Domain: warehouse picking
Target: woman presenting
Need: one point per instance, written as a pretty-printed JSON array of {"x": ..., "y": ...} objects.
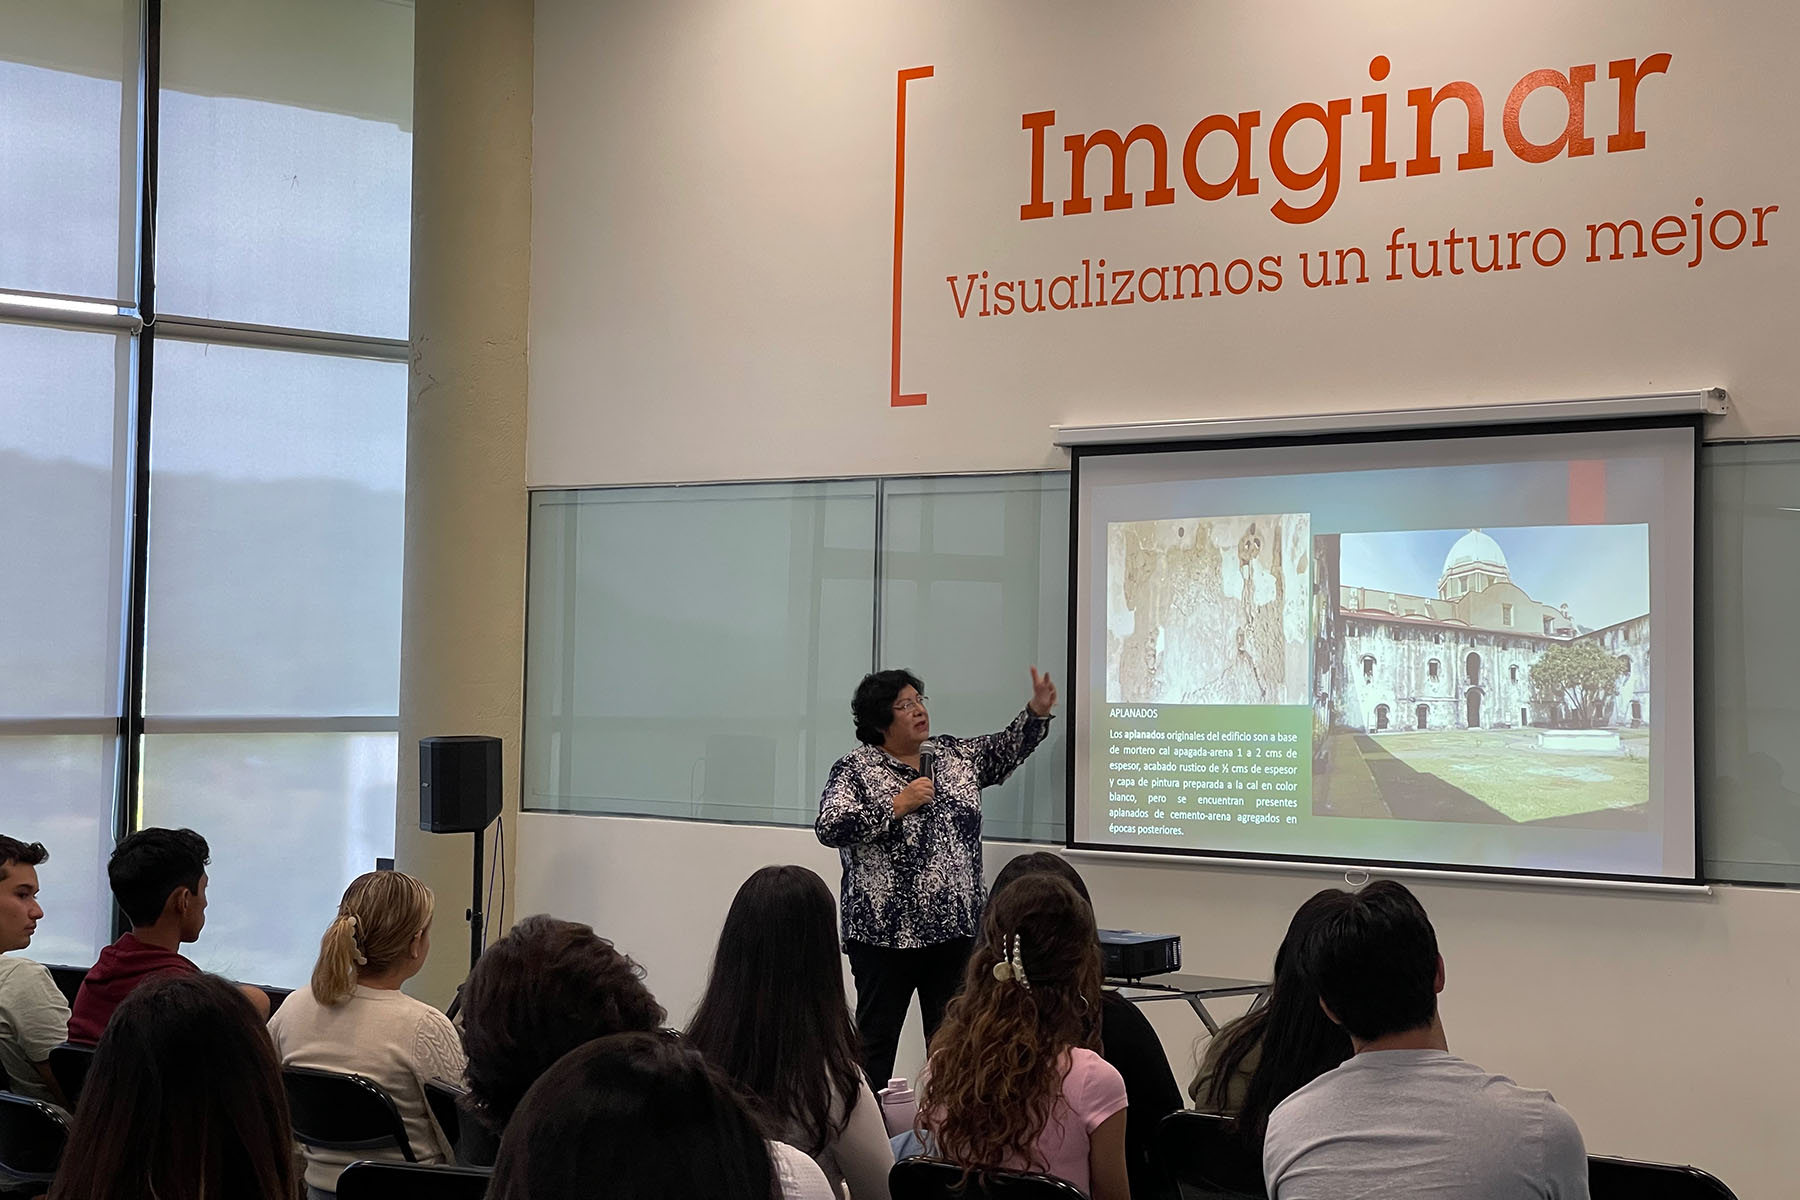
[{"x": 904, "y": 811}]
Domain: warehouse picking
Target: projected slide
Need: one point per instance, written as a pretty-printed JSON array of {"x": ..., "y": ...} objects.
[
  {"x": 1203, "y": 611},
  {"x": 1528, "y": 711},
  {"x": 1348, "y": 675}
]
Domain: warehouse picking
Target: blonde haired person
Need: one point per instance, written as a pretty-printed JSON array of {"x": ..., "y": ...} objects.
[{"x": 355, "y": 1019}]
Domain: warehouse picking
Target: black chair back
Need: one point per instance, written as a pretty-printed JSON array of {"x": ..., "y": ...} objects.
[
  {"x": 411, "y": 1181},
  {"x": 1623, "y": 1179},
  {"x": 67, "y": 980},
  {"x": 32, "y": 1137},
  {"x": 934, "y": 1179},
  {"x": 69, "y": 1063},
  {"x": 446, "y": 1109},
  {"x": 333, "y": 1111},
  {"x": 1207, "y": 1158}
]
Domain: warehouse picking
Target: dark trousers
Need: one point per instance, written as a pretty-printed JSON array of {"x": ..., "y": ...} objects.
[{"x": 885, "y": 982}]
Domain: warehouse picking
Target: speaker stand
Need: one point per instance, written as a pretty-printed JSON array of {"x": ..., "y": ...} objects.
[{"x": 474, "y": 913}]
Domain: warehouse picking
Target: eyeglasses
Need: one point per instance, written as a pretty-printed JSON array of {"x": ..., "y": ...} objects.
[{"x": 910, "y": 705}]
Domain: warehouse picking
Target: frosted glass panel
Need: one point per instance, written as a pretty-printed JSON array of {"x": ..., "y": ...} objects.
[
  {"x": 291, "y": 819},
  {"x": 58, "y": 791},
  {"x": 1749, "y": 678},
  {"x": 277, "y": 502},
  {"x": 68, "y": 137},
  {"x": 691, "y": 651},
  {"x": 286, "y": 163},
  {"x": 974, "y": 592},
  {"x": 60, "y": 521}
]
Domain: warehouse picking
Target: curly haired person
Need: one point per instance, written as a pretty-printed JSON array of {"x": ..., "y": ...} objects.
[{"x": 1015, "y": 1079}]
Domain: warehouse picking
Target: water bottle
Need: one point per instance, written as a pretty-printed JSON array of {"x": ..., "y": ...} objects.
[{"x": 899, "y": 1106}]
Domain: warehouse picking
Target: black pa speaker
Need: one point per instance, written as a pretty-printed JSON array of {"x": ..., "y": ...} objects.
[{"x": 459, "y": 783}]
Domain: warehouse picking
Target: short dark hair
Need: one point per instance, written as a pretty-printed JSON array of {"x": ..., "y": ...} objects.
[
  {"x": 1373, "y": 957},
  {"x": 641, "y": 1112},
  {"x": 1039, "y": 862},
  {"x": 872, "y": 707},
  {"x": 545, "y": 988},
  {"x": 28, "y": 854},
  {"x": 147, "y": 867}
]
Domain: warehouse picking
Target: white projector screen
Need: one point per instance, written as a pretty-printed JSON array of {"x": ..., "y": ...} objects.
[{"x": 1462, "y": 650}]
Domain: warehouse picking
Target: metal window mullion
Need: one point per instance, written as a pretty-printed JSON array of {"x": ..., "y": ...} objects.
[
  {"x": 129, "y": 775},
  {"x": 880, "y": 531},
  {"x": 57, "y": 726},
  {"x": 214, "y": 332},
  {"x": 386, "y": 723},
  {"x": 73, "y": 320}
]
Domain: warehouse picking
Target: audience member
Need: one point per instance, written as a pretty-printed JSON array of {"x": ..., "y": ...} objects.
[
  {"x": 1014, "y": 1079},
  {"x": 355, "y": 1019},
  {"x": 183, "y": 1102},
  {"x": 158, "y": 876},
  {"x": 545, "y": 988},
  {"x": 643, "y": 1117},
  {"x": 1126, "y": 1041},
  {"x": 33, "y": 1014},
  {"x": 1263, "y": 1057},
  {"x": 1404, "y": 1118},
  {"x": 775, "y": 1021}
]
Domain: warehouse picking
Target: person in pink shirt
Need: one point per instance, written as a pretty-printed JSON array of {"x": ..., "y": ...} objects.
[{"x": 1014, "y": 1078}]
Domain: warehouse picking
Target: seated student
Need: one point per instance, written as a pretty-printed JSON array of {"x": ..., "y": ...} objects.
[
  {"x": 1404, "y": 1118},
  {"x": 1014, "y": 1079},
  {"x": 545, "y": 988},
  {"x": 775, "y": 1021},
  {"x": 639, "y": 1116},
  {"x": 183, "y": 1102},
  {"x": 1126, "y": 1041},
  {"x": 1263, "y": 1057},
  {"x": 34, "y": 1017},
  {"x": 355, "y": 1019},
  {"x": 158, "y": 876}
]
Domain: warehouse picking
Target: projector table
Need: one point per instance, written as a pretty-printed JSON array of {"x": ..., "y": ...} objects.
[{"x": 1195, "y": 989}]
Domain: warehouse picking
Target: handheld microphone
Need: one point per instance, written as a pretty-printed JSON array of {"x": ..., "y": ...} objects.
[{"x": 927, "y": 765}]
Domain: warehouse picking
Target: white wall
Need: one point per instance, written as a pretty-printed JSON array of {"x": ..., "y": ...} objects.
[
  {"x": 711, "y": 298},
  {"x": 714, "y": 214},
  {"x": 1664, "y": 1023}
]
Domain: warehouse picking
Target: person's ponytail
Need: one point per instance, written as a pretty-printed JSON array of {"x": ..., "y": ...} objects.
[
  {"x": 334, "y": 975},
  {"x": 378, "y": 928}
]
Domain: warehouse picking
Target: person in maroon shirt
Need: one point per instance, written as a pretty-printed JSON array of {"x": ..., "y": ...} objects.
[{"x": 158, "y": 876}]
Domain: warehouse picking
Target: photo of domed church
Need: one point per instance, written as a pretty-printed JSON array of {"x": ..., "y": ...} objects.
[{"x": 1502, "y": 677}]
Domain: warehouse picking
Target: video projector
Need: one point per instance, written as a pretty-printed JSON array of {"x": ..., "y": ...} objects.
[{"x": 1128, "y": 954}]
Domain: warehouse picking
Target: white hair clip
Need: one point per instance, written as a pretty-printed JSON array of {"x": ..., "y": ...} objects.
[
  {"x": 361, "y": 961},
  {"x": 1013, "y": 965}
]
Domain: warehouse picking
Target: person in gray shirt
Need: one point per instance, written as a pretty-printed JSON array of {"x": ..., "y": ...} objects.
[{"x": 1404, "y": 1119}]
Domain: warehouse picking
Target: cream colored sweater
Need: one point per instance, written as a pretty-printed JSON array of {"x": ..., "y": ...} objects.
[{"x": 397, "y": 1041}]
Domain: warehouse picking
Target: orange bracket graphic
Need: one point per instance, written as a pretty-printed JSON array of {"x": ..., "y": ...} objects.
[{"x": 896, "y": 398}]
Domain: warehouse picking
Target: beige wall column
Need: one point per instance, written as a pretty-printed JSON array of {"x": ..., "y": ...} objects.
[{"x": 463, "y": 608}]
